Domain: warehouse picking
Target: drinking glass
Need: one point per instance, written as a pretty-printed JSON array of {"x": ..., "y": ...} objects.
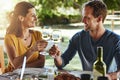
[
  {"x": 45, "y": 34},
  {"x": 56, "y": 38},
  {"x": 46, "y": 50}
]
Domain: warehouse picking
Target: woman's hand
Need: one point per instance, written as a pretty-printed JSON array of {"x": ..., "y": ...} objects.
[{"x": 40, "y": 45}]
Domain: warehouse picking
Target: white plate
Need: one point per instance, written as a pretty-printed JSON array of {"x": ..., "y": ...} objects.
[
  {"x": 78, "y": 73},
  {"x": 30, "y": 71}
]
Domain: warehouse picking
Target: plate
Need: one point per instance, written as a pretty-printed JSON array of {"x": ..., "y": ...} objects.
[
  {"x": 78, "y": 73},
  {"x": 30, "y": 71}
]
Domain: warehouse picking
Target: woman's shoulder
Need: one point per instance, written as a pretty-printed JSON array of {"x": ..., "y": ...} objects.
[
  {"x": 10, "y": 36},
  {"x": 36, "y": 33}
]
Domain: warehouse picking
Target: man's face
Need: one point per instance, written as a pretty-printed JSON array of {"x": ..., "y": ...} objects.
[
  {"x": 30, "y": 18},
  {"x": 90, "y": 22}
]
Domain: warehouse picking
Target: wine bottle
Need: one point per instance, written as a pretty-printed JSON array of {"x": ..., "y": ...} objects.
[{"x": 99, "y": 67}]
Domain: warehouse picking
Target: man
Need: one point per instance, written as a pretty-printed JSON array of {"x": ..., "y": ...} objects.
[{"x": 86, "y": 41}]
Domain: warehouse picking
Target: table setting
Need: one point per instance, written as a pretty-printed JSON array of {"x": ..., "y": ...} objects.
[
  {"x": 29, "y": 74},
  {"x": 46, "y": 73}
]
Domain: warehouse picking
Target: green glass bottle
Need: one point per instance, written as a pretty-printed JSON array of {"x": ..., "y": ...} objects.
[{"x": 99, "y": 67}]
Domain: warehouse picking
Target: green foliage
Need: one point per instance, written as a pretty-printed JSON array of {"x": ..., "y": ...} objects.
[
  {"x": 47, "y": 9},
  {"x": 113, "y": 4}
]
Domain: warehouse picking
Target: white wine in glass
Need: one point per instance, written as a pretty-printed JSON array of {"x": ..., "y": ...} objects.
[
  {"x": 56, "y": 36},
  {"x": 46, "y": 50},
  {"x": 46, "y": 33}
]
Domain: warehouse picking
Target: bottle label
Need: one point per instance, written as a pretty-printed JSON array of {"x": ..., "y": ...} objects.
[{"x": 96, "y": 74}]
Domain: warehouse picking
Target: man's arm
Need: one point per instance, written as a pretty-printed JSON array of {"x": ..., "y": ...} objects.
[{"x": 58, "y": 61}]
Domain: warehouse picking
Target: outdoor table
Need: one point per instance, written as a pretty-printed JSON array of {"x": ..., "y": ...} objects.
[
  {"x": 29, "y": 73},
  {"x": 3, "y": 78},
  {"x": 38, "y": 72}
]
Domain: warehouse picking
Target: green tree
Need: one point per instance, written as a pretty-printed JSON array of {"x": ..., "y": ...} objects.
[
  {"x": 113, "y": 4},
  {"x": 47, "y": 9}
]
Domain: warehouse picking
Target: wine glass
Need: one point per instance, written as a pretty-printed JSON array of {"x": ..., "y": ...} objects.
[
  {"x": 46, "y": 50},
  {"x": 45, "y": 34},
  {"x": 56, "y": 38}
]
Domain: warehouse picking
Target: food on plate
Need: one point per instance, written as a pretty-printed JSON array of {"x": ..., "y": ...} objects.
[{"x": 66, "y": 76}]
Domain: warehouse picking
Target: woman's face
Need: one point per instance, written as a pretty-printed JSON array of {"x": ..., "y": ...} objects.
[{"x": 30, "y": 19}]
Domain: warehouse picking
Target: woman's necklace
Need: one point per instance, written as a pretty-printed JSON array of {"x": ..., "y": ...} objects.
[
  {"x": 25, "y": 38},
  {"x": 26, "y": 35}
]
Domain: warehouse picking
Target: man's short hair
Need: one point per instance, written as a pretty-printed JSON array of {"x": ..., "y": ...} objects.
[{"x": 99, "y": 8}]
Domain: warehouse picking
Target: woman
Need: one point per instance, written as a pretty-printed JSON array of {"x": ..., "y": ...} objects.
[{"x": 20, "y": 41}]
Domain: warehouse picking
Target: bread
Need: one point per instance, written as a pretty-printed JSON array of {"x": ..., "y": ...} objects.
[{"x": 66, "y": 76}]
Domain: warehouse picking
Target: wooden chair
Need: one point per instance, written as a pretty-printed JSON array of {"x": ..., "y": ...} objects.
[{"x": 2, "y": 62}]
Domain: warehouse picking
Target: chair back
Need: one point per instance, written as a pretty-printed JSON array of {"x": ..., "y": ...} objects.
[{"x": 2, "y": 62}]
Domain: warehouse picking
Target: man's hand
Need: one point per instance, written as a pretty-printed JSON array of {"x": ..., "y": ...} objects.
[{"x": 54, "y": 51}]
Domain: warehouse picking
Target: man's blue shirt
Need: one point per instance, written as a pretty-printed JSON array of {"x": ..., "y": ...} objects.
[{"x": 86, "y": 47}]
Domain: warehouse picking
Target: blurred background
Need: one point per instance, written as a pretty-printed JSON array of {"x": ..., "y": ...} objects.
[{"x": 62, "y": 15}]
